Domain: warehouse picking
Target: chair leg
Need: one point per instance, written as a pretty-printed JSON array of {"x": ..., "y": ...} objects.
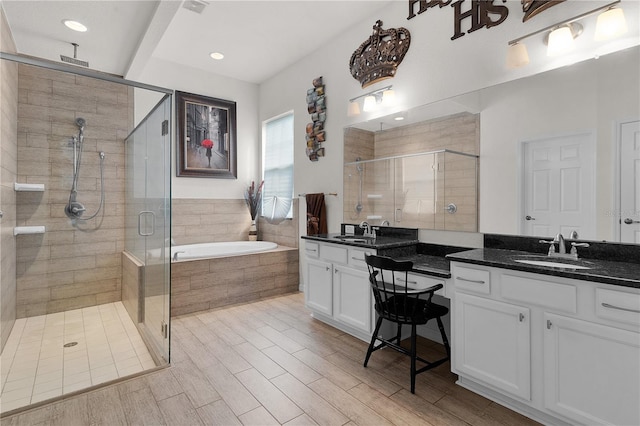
[
  {"x": 413, "y": 358},
  {"x": 373, "y": 340},
  {"x": 444, "y": 338},
  {"x": 399, "y": 334}
]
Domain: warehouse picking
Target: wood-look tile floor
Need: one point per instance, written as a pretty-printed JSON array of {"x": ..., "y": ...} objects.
[{"x": 270, "y": 363}]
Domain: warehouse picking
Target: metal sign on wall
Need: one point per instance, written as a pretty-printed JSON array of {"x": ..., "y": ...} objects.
[{"x": 481, "y": 13}]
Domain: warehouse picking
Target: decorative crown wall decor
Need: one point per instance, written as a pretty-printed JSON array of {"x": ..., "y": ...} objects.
[
  {"x": 378, "y": 57},
  {"x": 532, "y": 7}
]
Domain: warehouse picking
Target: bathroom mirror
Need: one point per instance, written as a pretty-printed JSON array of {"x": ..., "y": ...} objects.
[{"x": 590, "y": 99}]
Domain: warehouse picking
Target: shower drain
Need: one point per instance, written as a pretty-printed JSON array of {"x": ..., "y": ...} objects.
[{"x": 68, "y": 345}]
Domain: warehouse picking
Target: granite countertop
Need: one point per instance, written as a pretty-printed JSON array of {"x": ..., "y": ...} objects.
[
  {"x": 603, "y": 271},
  {"x": 378, "y": 243}
]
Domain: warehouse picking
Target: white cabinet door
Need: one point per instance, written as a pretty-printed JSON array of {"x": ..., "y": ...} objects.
[
  {"x": 352, "y": 298},
  {"x": 592, "y": 371},
  {"x": 491, "y": 343},
  {"x": 318, "y": 293}
]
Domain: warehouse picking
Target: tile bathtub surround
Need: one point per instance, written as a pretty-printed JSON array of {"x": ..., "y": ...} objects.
[
  {"x": 8, "y": 172},
  {"x": 198, "y": 285},
  {"x": 69, "y": 267},
  {"x": 196, "y": 221},
  {"x": 41, "y": 361}
]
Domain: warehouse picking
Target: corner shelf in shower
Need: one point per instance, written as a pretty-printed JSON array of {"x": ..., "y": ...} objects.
[
  {"x": 28, "y": 187},
  {"x": 24, "y": 230}
]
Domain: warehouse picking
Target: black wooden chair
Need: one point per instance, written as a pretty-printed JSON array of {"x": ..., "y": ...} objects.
[{"x": 397, "y": 303}]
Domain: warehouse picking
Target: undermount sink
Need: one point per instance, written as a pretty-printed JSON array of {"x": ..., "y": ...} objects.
[{"x": 551, "y": 263}]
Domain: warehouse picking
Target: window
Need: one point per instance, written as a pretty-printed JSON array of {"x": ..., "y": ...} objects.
[{"x": 277, "y": 168}]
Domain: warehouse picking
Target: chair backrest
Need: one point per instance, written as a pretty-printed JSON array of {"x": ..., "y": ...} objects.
[{"x": 394, "y": 299}]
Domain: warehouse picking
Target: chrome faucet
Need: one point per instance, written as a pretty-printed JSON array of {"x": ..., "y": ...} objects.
[
  {"x": 385, "y": 223},
  {"x": 562, "y": 249},
  {"x": 175, "y": 255},
  {"x": 367, "y": 230}
]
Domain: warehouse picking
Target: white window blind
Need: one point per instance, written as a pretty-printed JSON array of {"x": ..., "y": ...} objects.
[{"x": 277, "y": 167}]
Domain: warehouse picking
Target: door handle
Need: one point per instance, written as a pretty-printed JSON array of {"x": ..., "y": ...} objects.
[
  {"x": 527, "y": 217},
  {"x": 630, "y": 221},
  {"x": 153, "y": 223}
]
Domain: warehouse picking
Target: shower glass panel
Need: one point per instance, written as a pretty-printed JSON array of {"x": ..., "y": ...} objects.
[
  {"x": 148, "y": 205},
  {"x": 429, "y": 190}
]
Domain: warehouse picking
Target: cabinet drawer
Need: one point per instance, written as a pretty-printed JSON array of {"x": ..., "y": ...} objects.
[
  {"x": 421, "y": 282},
  {"x": 356, "y": 258},
  {"x": 475, "y": 280},
  {"x": 619, "y": 306},
  {"x": 333, "y": 253},
  {"x": 311, "y": 249},
  {"x": 561, "y": 297}
]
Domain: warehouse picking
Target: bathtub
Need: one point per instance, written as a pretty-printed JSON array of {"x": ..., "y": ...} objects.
[
  {"x": 211, "y": 275},
  {"x": 223, "y": 249}
]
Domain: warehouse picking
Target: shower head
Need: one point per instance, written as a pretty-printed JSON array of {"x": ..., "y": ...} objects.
[
  {"x": 81, "y": 122},
  {"x": 74, "y": 60}
]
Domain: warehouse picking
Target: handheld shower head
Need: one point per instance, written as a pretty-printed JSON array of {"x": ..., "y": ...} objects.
[{"x": 81, "y": 122}]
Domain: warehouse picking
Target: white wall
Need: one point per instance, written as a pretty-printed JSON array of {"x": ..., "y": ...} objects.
[
  {"x": 434, "y": 68},
  {"x": 187, "y": 79}
]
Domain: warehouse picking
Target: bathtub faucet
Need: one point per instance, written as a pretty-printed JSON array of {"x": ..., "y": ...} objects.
[{"x": 175, "y": 255}]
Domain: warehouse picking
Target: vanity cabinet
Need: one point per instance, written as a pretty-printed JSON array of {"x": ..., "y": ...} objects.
[
  {"x": 562, "y": 351},
  {"x": 337, "y": 287},
  {"x": 496, "y": 341},
  {"x": 592, "y": 371}
]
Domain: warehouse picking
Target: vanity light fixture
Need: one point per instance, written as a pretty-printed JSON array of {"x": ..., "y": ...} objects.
[
  {"x": 610, "y": 24},
  {"x": 560, "y": 40},
  {"x": 216, "y": 55},
  {"x": 384, "y": 96},
  {"x": 74, "y": 25},
  {"x": 560, "y": 36}
]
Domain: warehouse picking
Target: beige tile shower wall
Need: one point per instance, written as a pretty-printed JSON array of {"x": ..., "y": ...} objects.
[
  {"x": 196, "y": 221},
  {"x": 357, "y": 144},
  {"x": 70, "y": 266},
  {"x": 8, "y": 171},
  {"x": 198, "y": 285}
]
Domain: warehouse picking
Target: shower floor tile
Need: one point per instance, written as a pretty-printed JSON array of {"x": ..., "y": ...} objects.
[{"x": 35, "y": 364}]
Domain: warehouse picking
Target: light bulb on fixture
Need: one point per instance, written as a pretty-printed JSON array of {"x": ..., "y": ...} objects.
[
  {"x": 354, "y": 109},
  {"x": 369, "y": 103},
  {"x": 389, "y": 97},
  {"x": 517, "y": 55},
  {"x": 561, "y": 39},
  {"x": 610, "y": 24}
]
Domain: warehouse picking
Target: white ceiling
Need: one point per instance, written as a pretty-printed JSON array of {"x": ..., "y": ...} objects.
[{"x": 258, "y": 38}]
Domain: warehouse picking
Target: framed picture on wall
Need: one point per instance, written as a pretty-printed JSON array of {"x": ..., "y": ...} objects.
[{"x": 206, "y": 137}]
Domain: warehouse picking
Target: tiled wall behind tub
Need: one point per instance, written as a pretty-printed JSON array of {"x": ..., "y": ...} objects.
[
  {"x": 70, "y": 267},
  {"x": 8, "y": 171},
  {"x": 196, "y": 221}
]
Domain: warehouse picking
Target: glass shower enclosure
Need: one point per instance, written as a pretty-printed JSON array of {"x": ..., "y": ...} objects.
[{"x": 147, "y": 234}]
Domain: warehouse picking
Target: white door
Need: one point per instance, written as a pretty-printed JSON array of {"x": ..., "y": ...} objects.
[
  {"x": 491, "y": 342},
  {"x": 559, "y": 186},
  {"x": 630, "y": 182},
  {"x": 591, "y": 372}
]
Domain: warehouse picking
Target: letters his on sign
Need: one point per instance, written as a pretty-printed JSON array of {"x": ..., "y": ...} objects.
[{"x": 483, "y": 13}]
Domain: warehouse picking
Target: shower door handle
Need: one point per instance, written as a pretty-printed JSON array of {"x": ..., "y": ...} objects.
[{"x": 153, "y": 223}]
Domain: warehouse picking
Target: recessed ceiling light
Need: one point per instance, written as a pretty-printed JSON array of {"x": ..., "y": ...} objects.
[
  {"x": 399, "y": 118},
  {"x": 74, "y": 25},
  {"x": 216, "y": 55}
]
